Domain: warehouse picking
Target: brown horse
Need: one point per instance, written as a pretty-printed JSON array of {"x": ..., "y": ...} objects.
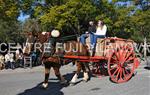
[{"x": 54, "y": 57}]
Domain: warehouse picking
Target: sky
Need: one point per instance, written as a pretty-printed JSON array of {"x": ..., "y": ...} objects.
[{"x": 23, "y": 17}]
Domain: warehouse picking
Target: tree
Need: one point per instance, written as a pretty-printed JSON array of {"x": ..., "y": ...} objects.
[
  {"x": 9, "y": 31},
  {"x": 9, "y": 26},
  {"x": 9, "y": 9},
  {"x": 71, "y": 17},
  {"x": 36, "y": 8},
  {"x": 31, "y": 25},
  {"x": 124, "y": 18}
]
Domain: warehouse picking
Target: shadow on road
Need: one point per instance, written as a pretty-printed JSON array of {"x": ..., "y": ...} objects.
[
  {"x": 147, "y": 68},
  {"x": 54, "y": 88}
]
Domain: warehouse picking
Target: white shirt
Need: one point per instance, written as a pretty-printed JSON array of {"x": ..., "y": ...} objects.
[
  {"x": 1, "y": 59},
  {"x": 7, "y": 57},
  {"x": 100, "y": 31},
  {"x": 17, "y": 51},
  {"x": 11, "y": 56}
]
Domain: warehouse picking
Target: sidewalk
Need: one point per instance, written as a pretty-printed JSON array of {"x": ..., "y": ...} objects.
[
  {"x": 35, "y": 69},
  {"x": 22, "y": 70},
  {"x": 63, "y": 68}
]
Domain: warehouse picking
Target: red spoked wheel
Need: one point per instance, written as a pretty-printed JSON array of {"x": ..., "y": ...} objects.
[{"x": 121, "y": 64}]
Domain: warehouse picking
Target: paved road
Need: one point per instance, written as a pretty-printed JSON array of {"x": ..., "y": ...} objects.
[{"x": 27, "y": 81}]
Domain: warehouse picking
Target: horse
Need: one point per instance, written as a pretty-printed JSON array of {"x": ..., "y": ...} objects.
[{"x": 55, "y": 56}]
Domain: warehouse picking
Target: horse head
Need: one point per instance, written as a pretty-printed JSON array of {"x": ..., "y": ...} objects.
[{"x": 48, "y": 40}]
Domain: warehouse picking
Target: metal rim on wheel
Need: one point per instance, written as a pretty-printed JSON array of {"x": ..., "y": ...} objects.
[{"x": 121, "y": 64}]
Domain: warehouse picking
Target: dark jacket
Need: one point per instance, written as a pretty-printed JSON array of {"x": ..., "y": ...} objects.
[{"x": 92, "y": 29}]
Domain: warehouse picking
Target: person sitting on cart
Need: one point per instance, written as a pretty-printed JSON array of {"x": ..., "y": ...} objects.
[
  {"x": 101, "y": 30},
  {"x": 91, "y": 29}
]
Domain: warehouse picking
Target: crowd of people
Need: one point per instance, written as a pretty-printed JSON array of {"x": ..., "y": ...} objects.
[{"x": 12, "y": 60}]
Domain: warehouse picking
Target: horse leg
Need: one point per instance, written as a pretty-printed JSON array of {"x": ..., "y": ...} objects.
[
  {"x": 79, "y": 67},
  {"x": 85, "y": 72},
  {"x": 59, "y": 76},
  {"x": 47, "y": 72}
]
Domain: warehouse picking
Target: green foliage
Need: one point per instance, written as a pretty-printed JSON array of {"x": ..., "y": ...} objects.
[
  {"x": 70, "y": 17},
  {"x": 9, "y": 9},
  {"x": 128, "y": 19},
  {"x": 141, "y": 23},
  {"x": 31, "y": 25},
  {"x": 9, "y": 26},
  {"x": 9, "y": 31}
]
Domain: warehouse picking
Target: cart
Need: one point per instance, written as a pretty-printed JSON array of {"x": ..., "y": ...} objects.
[{"x": 116, "y": 55}]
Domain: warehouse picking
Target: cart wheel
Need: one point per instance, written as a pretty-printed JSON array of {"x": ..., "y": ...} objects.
[
  {"x": 121, "y": 64},
  {"x": 99, "y": 69},
  {"x": 95, "y": 69}
]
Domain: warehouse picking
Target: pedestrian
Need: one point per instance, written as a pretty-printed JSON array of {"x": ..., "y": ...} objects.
[
  {"x": 19, "y": 58},
  {"x": 34, "y": 57},
  {"x": 7, "y": 61},
  {"x": 2, "y": 65},
  {"x": 12, "y": 61}
]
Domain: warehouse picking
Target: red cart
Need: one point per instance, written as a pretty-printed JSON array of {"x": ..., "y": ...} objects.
[{"x": 117, "y": 55}]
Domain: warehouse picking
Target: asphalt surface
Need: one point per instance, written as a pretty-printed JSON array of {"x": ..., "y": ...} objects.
[{"x": 27, "y": 82}]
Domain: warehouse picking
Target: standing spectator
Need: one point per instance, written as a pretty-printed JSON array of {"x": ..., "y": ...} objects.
[
  {"x": 19, "y": 58},
  {"x": 7, "y": 61},
  {"x": 2, "y": 65},
  {"x": 12, "y": 61},
  {"x": 17, "y": 54},
  {"x": 34, "y": 57}
]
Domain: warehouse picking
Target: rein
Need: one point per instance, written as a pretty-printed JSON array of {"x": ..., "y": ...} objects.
[{"x": 66, "y": 37}]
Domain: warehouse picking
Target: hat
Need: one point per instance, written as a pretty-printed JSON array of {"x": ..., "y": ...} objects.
[{"x": 55, "y": 33}]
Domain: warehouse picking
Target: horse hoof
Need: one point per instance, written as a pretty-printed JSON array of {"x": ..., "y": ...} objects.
[
  {"x": 72, "y": 83},
  {"x": 44, "y": 85},
  {"x": 85, "y": 80}
]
